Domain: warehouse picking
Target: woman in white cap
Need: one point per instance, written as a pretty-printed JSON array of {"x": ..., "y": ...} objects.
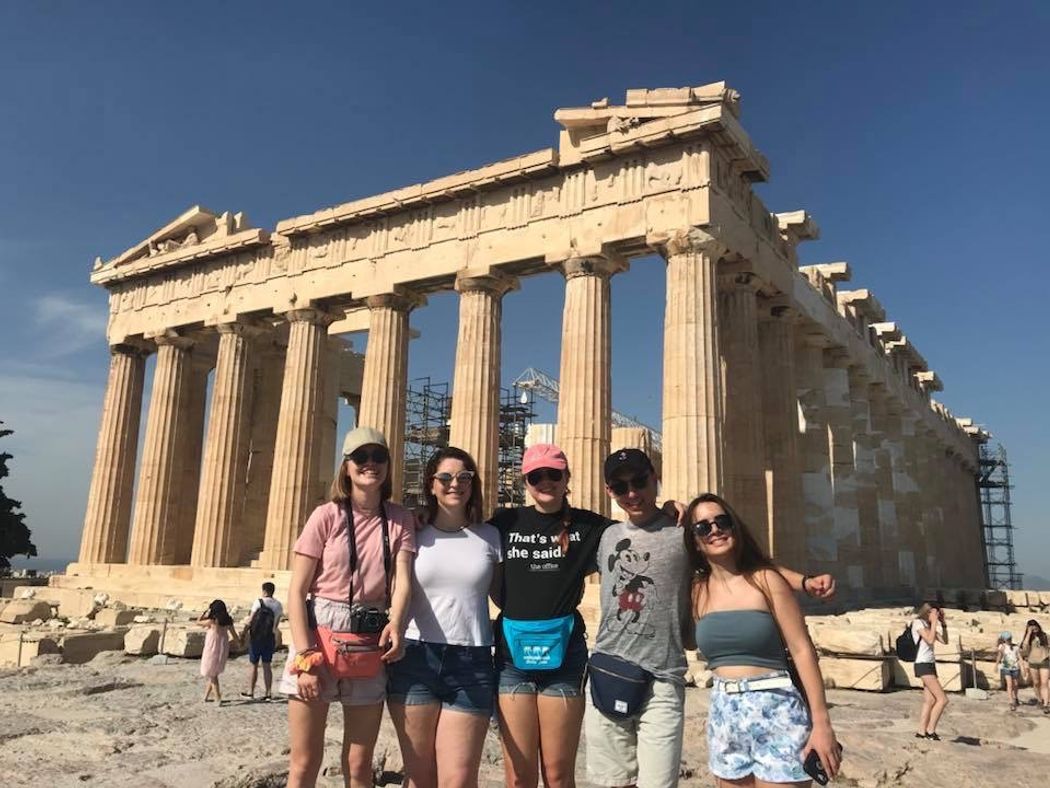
[{"x": 347, "y": 602}]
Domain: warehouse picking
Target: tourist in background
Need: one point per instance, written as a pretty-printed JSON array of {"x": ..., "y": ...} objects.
[
  {"x": 760, "y": 724},
  {"x": 260, "y": 633},
  {"x": 217, "y": 620},
  {"x": 441, "y": 694},
  {"x": 1036, "y": 651},
  {"x": 1008, "y": 661},
  {"x": 927, "y": 628},
  {"x": 349, "y": 593}
]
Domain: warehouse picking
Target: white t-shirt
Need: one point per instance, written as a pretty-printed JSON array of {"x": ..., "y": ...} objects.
[
  {"x": 273, "y": 604},
  {"x": 450, "y": 585},
  {"x": 925, "y": 654}
]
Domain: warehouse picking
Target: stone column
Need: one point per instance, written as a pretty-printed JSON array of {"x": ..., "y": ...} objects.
[
  {"x": 838, "y": 408},
  {"x": 864, "y": 476},
  {"x": 787, "y": 535},
  {"x": 192, "y": 455},
  {"x": 328, "y": 421},
  {"x": 225, "y": 465},
  {"x": 818, "y": 497},
  {"x": 585, "y": 395},
  {"x": 745, "y": 482},
  {"x": 385, "y": 377},
  {"x": 883, "y": 429},
  {"x": 476, "y": 381},
  {"x": 909, "y": 506},
  {"x": 154, "y": 536},
  {"x": 692, "y": 390},
  {"x": 291, "y": 485},
  {"x": 108, "y": 517}
]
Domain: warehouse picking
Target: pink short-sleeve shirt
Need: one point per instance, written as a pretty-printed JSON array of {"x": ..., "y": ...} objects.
[{"x": 324, "y": 538}]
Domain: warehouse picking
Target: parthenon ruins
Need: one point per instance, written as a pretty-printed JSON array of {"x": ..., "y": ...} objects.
[{"x": 793, "y": 395}]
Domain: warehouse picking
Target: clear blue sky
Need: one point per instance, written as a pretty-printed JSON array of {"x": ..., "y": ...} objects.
[{"x": 916, "y": 134}]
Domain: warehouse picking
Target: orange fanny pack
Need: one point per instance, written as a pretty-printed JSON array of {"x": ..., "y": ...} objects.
[{"x": 349, "y": 655}]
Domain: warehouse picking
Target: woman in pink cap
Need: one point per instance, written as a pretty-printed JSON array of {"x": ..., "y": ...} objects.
[{"x": 541, "y": 650}]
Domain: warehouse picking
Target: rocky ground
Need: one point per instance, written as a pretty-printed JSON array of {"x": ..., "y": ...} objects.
[{"x": 120, "y": 720}]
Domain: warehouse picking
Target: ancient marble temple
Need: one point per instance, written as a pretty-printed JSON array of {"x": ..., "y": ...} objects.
[{"x": 790, "y": 393}]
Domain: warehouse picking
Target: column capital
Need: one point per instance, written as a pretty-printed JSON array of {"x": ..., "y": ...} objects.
[
  {"x": 594, "y": 265},
  {"x": 172, "y": 338},
  {"x": 739, "y": 280},
  {"x": 400, "y": 300},
  {"x": 689, "y": 240},
  {"x": 495, "y": 282},
  {"x": 837, "y": 357},
  {"x": 318, "y": 317},
  {"x": 131, "y": 347},
  {"x": 241, "y": 328}
]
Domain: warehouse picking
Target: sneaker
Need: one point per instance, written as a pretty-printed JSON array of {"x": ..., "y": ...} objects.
[
  {"x": 933, "y": 737},
  {"x": 267, "y": 699},
  {"x": 920, "y": 735}
]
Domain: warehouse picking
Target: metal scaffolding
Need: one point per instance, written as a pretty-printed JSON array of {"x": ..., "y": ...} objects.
[
  {"x": 515, "y": 416},
  {"x": 993, "y": 487}
]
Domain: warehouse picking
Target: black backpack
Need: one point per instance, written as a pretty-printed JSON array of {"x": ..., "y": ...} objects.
[
  {"x": 907, "y": 647},
  {"x": 261, "y": 625}
]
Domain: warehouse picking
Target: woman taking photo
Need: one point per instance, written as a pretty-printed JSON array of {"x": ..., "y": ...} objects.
[
  {"x": 760, "y": 728},
  {"x": 441, "y": 694},
  {"x": 1036, "y": 650},
  {"x": 349, "y": 592},
  {"x": 927, "y": 628},
  {"x": 1008, "y": 661}
]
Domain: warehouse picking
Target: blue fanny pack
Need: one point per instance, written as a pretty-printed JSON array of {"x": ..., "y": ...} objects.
[{"x": 538, "y": 645}]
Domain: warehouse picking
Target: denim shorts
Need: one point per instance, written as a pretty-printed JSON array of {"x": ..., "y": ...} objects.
[
  {"x": 460, "y": 678},
  {"x": 565, "y": 682},
  {"x": 262, "y": 651},
  {"x": 760, "y": 732}
]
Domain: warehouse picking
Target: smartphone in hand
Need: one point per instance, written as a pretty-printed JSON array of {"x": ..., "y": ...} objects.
[{"x": 815, "y": 769}]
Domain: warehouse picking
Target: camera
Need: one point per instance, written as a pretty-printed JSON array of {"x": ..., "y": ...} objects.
[{"x": 367, "y": 620}]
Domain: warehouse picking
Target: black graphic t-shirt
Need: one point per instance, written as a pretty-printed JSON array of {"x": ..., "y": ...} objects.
[{"x": 538, "y": 581}]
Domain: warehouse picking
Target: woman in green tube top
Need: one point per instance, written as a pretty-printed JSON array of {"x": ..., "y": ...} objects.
[{"x": 760, "y": 728}]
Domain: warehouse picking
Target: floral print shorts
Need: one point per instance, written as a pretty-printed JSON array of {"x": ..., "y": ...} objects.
[{"x": 761, "y": 732}]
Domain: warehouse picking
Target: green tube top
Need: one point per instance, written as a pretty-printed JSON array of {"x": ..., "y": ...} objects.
[{"x": 740, "y": 637}]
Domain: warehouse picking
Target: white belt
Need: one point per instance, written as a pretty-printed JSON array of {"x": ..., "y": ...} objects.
[{"x": 736, "y": 686}]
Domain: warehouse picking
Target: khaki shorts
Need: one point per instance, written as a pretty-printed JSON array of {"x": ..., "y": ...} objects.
[
  {"x": 349, "y": 692},
  {"x": 646, "y": 750}
]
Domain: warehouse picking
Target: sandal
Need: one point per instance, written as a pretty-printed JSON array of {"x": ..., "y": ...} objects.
[
  {"x": 933, "y": 737},
  {"x": 920, "y": 735},
  {"x": 250, "y": 695}
]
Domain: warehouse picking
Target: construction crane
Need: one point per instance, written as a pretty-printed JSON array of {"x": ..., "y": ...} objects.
[{"x": 543, "y": 385}]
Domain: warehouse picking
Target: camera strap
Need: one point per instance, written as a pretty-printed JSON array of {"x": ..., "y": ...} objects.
[{"x": 351, "y": 538}]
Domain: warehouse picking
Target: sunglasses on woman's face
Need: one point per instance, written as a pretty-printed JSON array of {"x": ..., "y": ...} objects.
[
  {"x": 378, "y": 455},
  {"x": 463, "y": 478},
  {"x": 538, "y": 475},
  {"x": 721, "y": 522},
  {"x": 636, "y": 483}
]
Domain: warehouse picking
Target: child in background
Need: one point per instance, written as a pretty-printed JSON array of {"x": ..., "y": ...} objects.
[
  {"x": 217, "y": 620},
  {"x": 1008, "y": 660}
]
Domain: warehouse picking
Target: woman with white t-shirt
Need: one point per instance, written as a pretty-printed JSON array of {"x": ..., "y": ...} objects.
[
  {"x": 927, "y": 628},
  {"x": 442, "y": 693}
]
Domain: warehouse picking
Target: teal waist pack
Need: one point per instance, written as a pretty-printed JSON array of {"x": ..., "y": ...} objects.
[{"x": 538, "y": 645}]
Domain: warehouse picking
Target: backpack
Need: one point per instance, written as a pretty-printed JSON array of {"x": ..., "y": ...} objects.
[
  {"x": 260, "y": 627},
  {"x": 907, "y": 647}
]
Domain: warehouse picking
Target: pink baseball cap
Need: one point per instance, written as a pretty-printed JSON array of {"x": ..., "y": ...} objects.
[{"x": 543, "y": 455}]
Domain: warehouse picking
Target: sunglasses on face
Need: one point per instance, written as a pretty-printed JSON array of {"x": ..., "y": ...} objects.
[
  {"x": 538, "y": 475},
  {"x": 721, "y": 522},
  {"x": 378, "y": 455},
  {"x": 636, "y": 483},
  {"x": 463, "y": 477}
]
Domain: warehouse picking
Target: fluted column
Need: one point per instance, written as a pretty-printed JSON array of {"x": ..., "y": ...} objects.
[
  {"x": 476, "y": 381},
  {"x": 192, "y": 455},
  {"x": 818, "y": 498},
  {"x": 745, "y": 482},
  {"x": 154, "y": 538},
  {"x": 864, "y": 477},
  {"x": 909, "y": 504},
  {"x": 225, "y": 465},
  {"x": 385, "y": 376},
  {"x": 108, "y": 516},
  {"x": 838, "y": 408},
  {"x": 692, "y": 390},
  {"x": 585, "y": 391},
  {"x": 328, "y": 421},
  {"x": 787, "y": 534},
  {"x": 940, "y": 554},
  {"x": 883, "y": 430},
  {"x": 291, "y": 489}
]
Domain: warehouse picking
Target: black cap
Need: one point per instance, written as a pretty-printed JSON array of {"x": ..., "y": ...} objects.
[{"x": 633, "y": 461}]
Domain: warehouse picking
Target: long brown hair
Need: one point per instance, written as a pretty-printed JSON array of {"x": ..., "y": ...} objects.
[
  {"x": 749, "y": 556},
  {"x": 475, "y": 504},
  {"x": 342, "y": 487}
]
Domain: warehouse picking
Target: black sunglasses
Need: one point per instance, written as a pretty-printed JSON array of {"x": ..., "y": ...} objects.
[
  {"x": 723, "y": 522},
  {"x": 463, "y": 477},
  {"x": 635, "y": 483},
  {"x": 538, "y": 475},
  {"x": 378, "y": 455}
]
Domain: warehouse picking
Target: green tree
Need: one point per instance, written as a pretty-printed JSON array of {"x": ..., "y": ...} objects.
[{"x": 14, "y": 534}]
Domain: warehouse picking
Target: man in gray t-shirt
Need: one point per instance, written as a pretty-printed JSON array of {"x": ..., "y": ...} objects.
[{"x": 645, "y": 606}]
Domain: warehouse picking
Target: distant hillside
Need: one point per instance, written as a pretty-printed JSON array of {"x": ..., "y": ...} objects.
[{"x": 1035, "y": 582}]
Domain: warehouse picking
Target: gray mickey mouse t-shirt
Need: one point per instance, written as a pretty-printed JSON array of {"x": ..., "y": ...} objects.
[{"x": 645, "y": 596}]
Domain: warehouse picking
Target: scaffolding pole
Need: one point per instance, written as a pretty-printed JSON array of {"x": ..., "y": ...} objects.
[{"x": 993, "y": 488}]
